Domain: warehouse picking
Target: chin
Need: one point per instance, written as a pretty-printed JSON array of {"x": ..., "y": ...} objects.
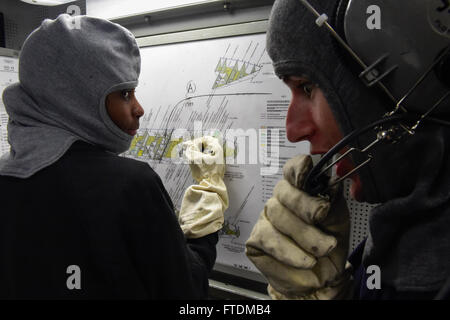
[{"x": 356, "y": 190}]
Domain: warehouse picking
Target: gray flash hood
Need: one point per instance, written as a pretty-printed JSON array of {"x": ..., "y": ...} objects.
[
  {"x": 408, "y": 236},
  {"x": 67, "y": 67}
]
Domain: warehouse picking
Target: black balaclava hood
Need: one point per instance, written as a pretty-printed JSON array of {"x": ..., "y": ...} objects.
[
  {"x": 67, "y": 67},
  {"x": 408, "y": 233}
]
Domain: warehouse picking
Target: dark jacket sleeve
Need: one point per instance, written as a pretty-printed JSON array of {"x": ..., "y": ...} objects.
[
  {"x": 362, "y": 292},
  {"x": 174, "y": 268}
]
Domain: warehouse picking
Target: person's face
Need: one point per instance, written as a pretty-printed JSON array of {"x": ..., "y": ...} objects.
[
  {"x": 310, "y": 118},
  {"x": 124, "y": 110}
]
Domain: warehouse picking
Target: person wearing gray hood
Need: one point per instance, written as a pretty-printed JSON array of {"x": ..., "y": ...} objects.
[
  {"x": 300, "y": 242},
  {"x": 78, "y": 221}
]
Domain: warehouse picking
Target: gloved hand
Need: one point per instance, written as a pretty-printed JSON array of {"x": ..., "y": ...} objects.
[
  {"x": 204, "y": 203},
  {"x": 300, "y": 242}
]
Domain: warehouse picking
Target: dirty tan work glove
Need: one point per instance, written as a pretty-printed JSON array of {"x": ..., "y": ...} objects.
[
  {"x": 204, "y": 203},
  {"x": 300, "y": 242}
]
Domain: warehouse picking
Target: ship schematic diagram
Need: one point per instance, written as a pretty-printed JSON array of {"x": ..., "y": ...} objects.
[
  {"x": 231, "y": 70},
  {"x": 224, "y": 87}
]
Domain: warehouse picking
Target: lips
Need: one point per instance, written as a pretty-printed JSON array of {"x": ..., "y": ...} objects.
[
  {"x": 132, "y": 132},
  {"x": 343, "y": 167}
]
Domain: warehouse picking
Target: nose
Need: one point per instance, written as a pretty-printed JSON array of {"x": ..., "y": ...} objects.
[
  {"x": 299, "y": 121},
  {"x": 138, "y": 111}
]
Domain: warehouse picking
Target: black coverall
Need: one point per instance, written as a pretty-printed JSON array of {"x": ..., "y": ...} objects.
[{"x": 107, "y": 215}]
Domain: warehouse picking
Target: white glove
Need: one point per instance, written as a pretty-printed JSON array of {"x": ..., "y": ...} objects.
[
  {"x": 297, "y": 244},
  {"x": 204, "y": 203}
]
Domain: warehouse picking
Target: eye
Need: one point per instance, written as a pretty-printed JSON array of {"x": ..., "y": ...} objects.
[
  {"x": 126, "y": 94},
  {"x": 308, "y": 88}
]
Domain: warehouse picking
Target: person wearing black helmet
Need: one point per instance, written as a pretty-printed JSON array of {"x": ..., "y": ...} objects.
[{"x": 374, "y": 97}]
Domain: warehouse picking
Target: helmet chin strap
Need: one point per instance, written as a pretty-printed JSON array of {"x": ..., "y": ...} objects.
[
  {"x": 389, "y": 129},
  {"x": 318, "y": 181}
]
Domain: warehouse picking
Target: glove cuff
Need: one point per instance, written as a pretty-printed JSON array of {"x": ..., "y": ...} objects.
[
  {"x": 202, "y": 207},
  {"x": 339, "y": 289}
]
